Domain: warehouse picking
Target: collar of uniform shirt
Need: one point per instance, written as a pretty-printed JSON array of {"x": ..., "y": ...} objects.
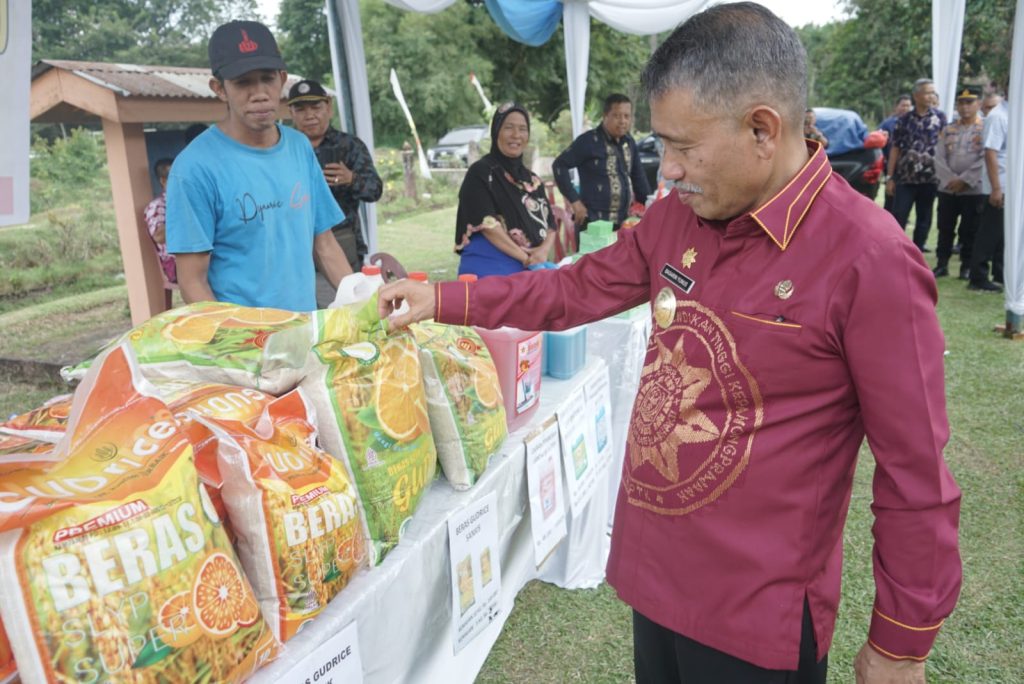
[{"x": 780, "y": 216}]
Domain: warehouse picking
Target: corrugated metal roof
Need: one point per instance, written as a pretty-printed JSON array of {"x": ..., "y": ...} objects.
[{"x": 135, "y": 80}]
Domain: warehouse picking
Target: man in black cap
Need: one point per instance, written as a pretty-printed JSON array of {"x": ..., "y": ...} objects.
[
  {"x": 347, "y": 167},
  {"x": 247, "y": 204},
  {"x": 959, "y": 162}
]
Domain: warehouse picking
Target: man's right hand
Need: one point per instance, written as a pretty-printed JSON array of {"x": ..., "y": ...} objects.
[
  {"x": 890, "y": 187},
  {"x": 579, "y": 213},
  {"x": 419, "y": 296}
]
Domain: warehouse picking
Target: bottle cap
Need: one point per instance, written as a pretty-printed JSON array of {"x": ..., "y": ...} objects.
[
  {"x": 468, "y": 277},
  {"x": 371, "y": 270},
  {"x": 420, "y": 276}
]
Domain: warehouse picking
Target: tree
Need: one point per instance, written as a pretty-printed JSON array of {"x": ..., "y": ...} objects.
[
  {"x": 305, "y": 45},
  {"x": 158, "y": 32},
  {"x": 434, "y": 54},
  {"x": 862, "y": 63}
]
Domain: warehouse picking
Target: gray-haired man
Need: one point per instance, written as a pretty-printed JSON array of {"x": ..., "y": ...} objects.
[{"x": 770, "y": 279}]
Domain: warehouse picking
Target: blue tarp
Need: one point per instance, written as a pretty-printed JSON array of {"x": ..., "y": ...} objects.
[
  {"x": 531, "y": 22},
  {"x": 844, "y": 129}
]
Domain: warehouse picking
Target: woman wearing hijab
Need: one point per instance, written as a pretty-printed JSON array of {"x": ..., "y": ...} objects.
[{"x": 504, "y": 224}]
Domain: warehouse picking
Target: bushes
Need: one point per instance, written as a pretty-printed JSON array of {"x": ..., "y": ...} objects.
[{"x": 72, "y": 245}]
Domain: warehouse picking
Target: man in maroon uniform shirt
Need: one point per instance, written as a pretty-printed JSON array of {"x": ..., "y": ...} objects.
[{"x": 793, "y": 317}]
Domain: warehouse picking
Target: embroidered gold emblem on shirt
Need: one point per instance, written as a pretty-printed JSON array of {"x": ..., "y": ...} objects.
[
  {"x": 696, "y": 415},
  {"x": 689, "y": 257},
  {"x": 665, "y": 413},
  {"x": 784, "y": 289}
]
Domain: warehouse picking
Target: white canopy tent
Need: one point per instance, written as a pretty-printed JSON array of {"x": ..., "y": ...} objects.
[{"x": 645, "y": 17}]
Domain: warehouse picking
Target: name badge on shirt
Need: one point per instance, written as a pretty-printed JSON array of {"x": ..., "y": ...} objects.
[{"x": 677, "y": 278}]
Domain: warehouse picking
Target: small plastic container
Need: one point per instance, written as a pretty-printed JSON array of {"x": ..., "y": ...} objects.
[
  {"x": 566, "y": 352},
  {"x": 600, "y": 228},
  {"x": 356, "y": 288},
  {"x": 374, "y": 277},
  {"x": 517, "y": 356}
]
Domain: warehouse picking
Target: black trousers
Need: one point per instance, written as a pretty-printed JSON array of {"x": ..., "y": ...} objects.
[
  {"x": 921, "y": 196},
  {"x": 965, "y": 208},
  {"x": 988, "y": 245},
  {"x": 661, "y": 656}
]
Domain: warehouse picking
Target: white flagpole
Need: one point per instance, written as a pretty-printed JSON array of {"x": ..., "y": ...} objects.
[
  {"x": 488, "y": 107},
  {"x": 397, "y": 88}
]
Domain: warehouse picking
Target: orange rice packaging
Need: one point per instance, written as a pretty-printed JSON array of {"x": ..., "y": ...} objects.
[
  {"x": 372, "y": 415},
  {"x": 219, "y": 342},
  {"x": 116, "y": 566},
  {"x": 467, "y": 415},
  {"x": 45, "y": 423},
  {"x": 189, "y": 401},
  {"x": 7, "y": 664},
  {"x": 16, "y": 448},
  {"x": 295, "y": 512}
]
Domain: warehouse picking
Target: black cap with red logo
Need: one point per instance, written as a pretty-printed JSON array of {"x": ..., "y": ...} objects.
[{"x": 239, "y": 47}]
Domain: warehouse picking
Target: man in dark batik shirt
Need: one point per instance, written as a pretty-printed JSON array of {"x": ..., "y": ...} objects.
[
  {"x": 611, "y": 176},
  {"x": 348, "y": 169},
  {"x": 912, "y": 180}
]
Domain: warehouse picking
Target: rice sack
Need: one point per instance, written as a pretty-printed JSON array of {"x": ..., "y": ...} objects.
[
  {"x": 294, "y": 510},
  {"x": 372, "y": 415},
  {"x": 219, "y": 342},
  {"x": 467, "y": 415},
  {"x": 117, "y": 567}
]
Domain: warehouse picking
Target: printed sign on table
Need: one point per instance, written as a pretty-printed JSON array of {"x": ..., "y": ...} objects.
[
  {"x": 475, "y": 568},
  {"x": 599, "y": 400},
  {"x": 544, "y": 483},
  {"x": 583, "y": 469},
  {"x": 336, "y": 661}
]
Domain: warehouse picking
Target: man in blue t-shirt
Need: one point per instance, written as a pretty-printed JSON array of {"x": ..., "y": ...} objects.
[{"x": 247, "y": 206}]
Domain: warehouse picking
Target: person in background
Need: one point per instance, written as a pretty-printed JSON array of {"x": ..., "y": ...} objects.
[
  {"x": 989, "y": 243},
  {"x": 247, "y": 204},
  {"x": 347, "y": 167},
  {"x": 770, "y": 280},
  {"x": 155, "y": 215},
  {"x": 606, "y": 158},
  {"x": 902, "y": 105},
  {"x": 990, "y": 102},
  {"x": 811, "y": 131},
  {"x": 911, "y": 169},
  {"x": 504, "y": 223},
  {"x": 959, "y": 162}
]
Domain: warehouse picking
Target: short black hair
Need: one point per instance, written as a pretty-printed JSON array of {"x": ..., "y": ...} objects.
[
  {"x": 614, "y": 99},
  {"x": 162, "y": 167},
  {"x": 903, "y": 96},
  {"x": 731, "y": 56}
]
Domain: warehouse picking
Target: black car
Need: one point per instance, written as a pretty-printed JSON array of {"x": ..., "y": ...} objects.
[
  {"x": 650, "y": 160},
  {"x": 854, "y": 154}
]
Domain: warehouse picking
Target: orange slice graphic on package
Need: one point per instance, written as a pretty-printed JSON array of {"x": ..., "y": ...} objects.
[
  {"x": 194, "y": 329},
  {"x": 218, "y": 596},
  {"x": 178, "y": 627},
  {"x": 401, "y": 409},
  {"x": 262, "y": 317},
  {"x": 485, "y": 382}
]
